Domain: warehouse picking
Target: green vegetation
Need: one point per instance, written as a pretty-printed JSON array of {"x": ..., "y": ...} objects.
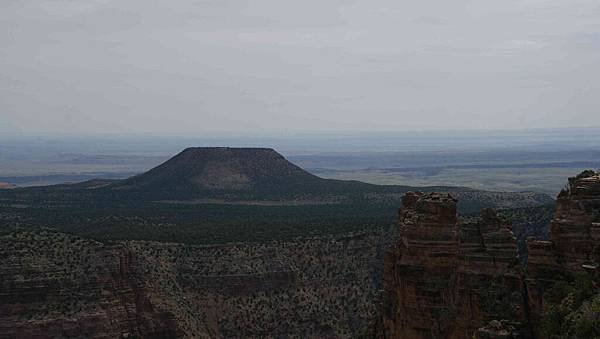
[
  {"x": 573, "y": 309},
  {"x": 311, "y": 287},
  {"x": 112, "y": 216},
  {"x": 291, "y": 201},
  {"x": 52, "y": 259},
  {"x": 203, "y": 224}
]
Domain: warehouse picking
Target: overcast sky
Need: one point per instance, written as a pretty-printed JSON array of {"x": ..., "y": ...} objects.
[{"x": 191, "y": 66}]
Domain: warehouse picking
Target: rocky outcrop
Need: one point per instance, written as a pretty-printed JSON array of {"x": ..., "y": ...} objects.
[
  {"x": 575, "y": 230},
  {"x": 444, "y": 279},
  {"x": 418, "y": 270},
  {"x": 54, "y": 285},
  {"x": 489, "y": 277},
  {"x": 574, "y": 236},
  {"x": 447, "y": 279},
  {"x": 497, "y": 330}
]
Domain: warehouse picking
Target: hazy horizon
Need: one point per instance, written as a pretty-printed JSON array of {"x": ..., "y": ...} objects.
[
  {"x": 158, "y": 67},
  {"x": 535, "y": 159}
]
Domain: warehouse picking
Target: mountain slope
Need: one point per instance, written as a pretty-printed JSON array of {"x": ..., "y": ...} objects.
[
  {"x": 222, "y": 169},
  {"x": 222, "y": 174},
  {"x": 199, "y": 172}
]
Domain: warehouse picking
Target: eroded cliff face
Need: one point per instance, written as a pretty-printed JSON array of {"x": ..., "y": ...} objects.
[
  {"x": 444, "y": 279},
  {"x": 54, "y": 285},
  {"x": 574, "y": 238},
  {"x": 418, "y": 269},
  {"x": 447, "y": 279},
  {"x": 489, "y": 276}
]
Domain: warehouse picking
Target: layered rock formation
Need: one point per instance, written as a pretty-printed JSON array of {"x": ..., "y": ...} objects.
[
  {"x": 418, "y": 270},
  {"x": 575, "y": 230},
  {"x": 446, "y": 280},
  {"x": 489, "y": 275},
  {"x": 53, "y": 285},
  {"x": 574, "y": 237}
]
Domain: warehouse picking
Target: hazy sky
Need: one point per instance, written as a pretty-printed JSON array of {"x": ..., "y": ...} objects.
[{"x": 183, "y": 66}]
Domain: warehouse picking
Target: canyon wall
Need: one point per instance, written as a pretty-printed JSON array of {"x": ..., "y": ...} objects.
[
  {"x": 449, "y": 279},
  {"x": 445, "y": 280},
  {"x": 574, "y": 241},
  {"x": 320, "y": 287},
  {"x": 54, "y": 285}
]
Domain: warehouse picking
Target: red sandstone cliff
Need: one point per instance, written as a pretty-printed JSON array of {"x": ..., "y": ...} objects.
[
  {"x": 446, "y": 280},
  {"x": 574, "y": 234}
]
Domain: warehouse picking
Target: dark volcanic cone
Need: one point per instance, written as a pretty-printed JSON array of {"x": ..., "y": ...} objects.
[{"x": 222, "y": 169}]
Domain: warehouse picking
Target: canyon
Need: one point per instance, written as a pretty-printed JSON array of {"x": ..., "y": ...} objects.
[
  {"x": 59, "y": 285},
  {"x": 104, "y": 259}
]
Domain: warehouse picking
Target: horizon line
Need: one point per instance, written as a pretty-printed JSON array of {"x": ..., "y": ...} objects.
[{"x": 284, "y": 133}]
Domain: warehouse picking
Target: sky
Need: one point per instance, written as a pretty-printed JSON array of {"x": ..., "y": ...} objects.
[{"x": 209, "y": 66}]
